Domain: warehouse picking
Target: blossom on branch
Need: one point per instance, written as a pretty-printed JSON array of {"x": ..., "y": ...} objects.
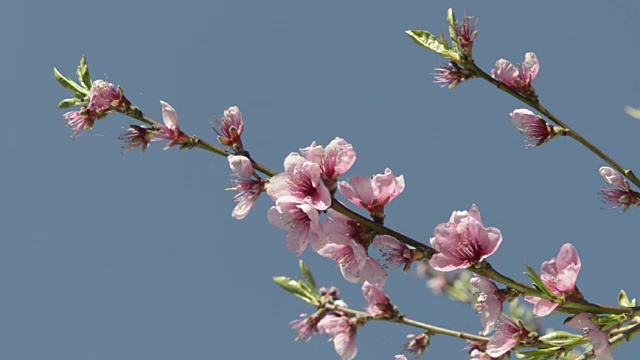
[
  {"x": 599, "y": 339},
  {"x": 373, "y": 194},
  {"x": 463, "y": 241},
  {"x": 536, "y": 131},
  {"x": 301, "y": 221},
  {"x": 137, "y": 137},
  {"x": 334, "y": 160},
  {"x": 510, "y": 333},
  {"x": 451, "y": 75},
  {"x": 467, "y": 33},
  {"x": 346, "y": 241},
  {"x": 248, "y": 185},
  {"x": 396, "y": 253},
  {"x": 622, "y": 195},
  {"x": 301, "y": 182},
  {"x": 343, "y": 331},
  {"x": 379, "y": 305},
  {"x": 170, "y": 131},
  {"x": 231, "y": 127},
  {"x": 489, "y": 302},
  {"x": 559, "y": 275},
  {"x": 517, "y": 80}
]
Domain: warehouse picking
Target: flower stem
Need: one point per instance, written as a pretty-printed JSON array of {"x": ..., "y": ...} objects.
[{"x": 413, "y": 323}]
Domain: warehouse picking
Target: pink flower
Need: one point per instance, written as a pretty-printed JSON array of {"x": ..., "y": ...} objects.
[
  {"x": 231, "y": 127},
  {"x": 355, "y": 265},
  {"x": 379, "y": 305},
  {"x": 489, "y": 302},
  {"x": 301, "y": 182},
  {"x": 623, "y": 196},
  {"x": 373, "y": 194},
  {"x": 507, "y": 337},
  {"x": 346, "y": 242},
  {"x": 248, "y": 185},
  {"x": 343, "y": 331},
  {"x": 535, "y": 130},
  {"x": 171, "y": 130},
  {"x": 418, "y": 344},
  {"x": 80, "y": 121},
  {"x": 599, "y": 339},
  {"x": 559, "y": 275},
  {"x": 103, "y": 96},
  {"x": 334, "y": 160},
  {"x": 137, "y": 137},
  {"x": 450, "y": 75},
  {"x": 396, "y": 253},
  {"x": 306, "y": 326},
  {"x": 463, "y": 241},
  {"x": 467, "y": 33},
  {"x": 518, "y": 80},
  {"x": 301, "y": 221}
]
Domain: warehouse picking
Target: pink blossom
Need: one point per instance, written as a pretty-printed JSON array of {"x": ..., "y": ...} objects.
[
  {"x": 301, "y": 182},
  {"x": 518, "y": 80},
  {"x": 507, "y": 337},
  {"x": 396, "y": 253},
  {"x": 301, "y": 221},
  {"x": 373, "y": 194},
  {"x": 463, "y": 241},
  {"x": 248, "y": 185},
  {"x": 343, "y": 330},
  {"x": 104, "y": 96},
  {"x": 80, "y": 121},
  {"x": 355, "y": 265},
  {"x": 231, "y": 128},
  {"x": 346, "y": 242},
  {"x": 334, "y": 160},
  {"x": 467, "y": 32},
  {"x": 418, "y": 344},
  {"x": 451, "y": 75},
  {"x": 379, "y": 305},
  {"x": 137, "y": 137},
  {"x": 306, "y": 326},
  {"x": 599, "y": 339},
  {"x": 622, "y": 195},
  {"x": 171, "y": 130},
  {"x": 536, "y": 131},
  {"x": 559, "y": 275},
  {"x": 489, "y": 302}
]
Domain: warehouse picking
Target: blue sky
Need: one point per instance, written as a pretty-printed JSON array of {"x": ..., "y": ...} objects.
[{"x": 135, "y": 256}]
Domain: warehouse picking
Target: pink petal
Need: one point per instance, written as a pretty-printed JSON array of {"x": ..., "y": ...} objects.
[
  {"x": 345, "y": 346},
  {"x": 170, "y": 117},
  {"x": 365, "y": 192},
  {"x": 500, "y": 343},
  {"x": 240, "y": 166},
  {"x": 544, "y": 307},
  {"x": 444, "y": 263},
  {"x": 612, "y": 177},
  {"x": 531, "y": 65}
]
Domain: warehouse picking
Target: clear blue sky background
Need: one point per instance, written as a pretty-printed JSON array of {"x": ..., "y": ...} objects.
[{"x": 110, "y": 256}]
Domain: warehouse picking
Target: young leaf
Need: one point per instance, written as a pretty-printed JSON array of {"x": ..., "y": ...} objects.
[
  {"x": 69, "y": 84},
  {"x": 71, "y": 102},
  {"x": 451, "y": 20},
  {"x": 83, "y": 73},
  {"x": 430, "y": 42},
  {"x": 623, "y": 300},
  {"x": 308, "y": 277},
  {"x": 294, "y": 287}
]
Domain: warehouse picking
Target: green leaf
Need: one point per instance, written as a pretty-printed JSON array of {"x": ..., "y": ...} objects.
[
  {"x": 69, "y": 84},
  {"x": 541, "y": 354},
  {"x": 308, "y": 277},
  {"x": 451, "y": 20},
  {"x": 561, "y": 338},
  {"x": 633, "y": 112},
  {"x": 430, "y": 42},
  {"x": 83, "y": 73},
  {"x": 294, "y": 287},
  {"x": 623, "y": 300},
  {"x": 537, "y": 283},
  {"x": 71, "y": 102}
]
